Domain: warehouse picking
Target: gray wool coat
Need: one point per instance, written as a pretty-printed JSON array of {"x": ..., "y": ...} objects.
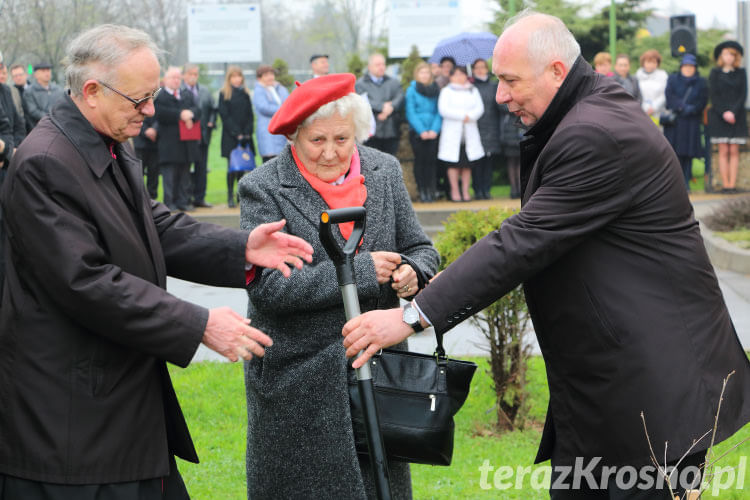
[{"x": 299, "y": 440}]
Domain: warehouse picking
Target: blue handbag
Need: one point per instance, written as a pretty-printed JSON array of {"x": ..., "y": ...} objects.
[{"x": 241, "y": 159}]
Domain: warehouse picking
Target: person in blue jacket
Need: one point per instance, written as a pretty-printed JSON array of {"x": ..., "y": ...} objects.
[
  {"x": 267, "y": 97},
  {"x": 424, "y": 127}
]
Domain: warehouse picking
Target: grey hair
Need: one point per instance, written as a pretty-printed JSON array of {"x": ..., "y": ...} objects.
[
  {"x": 550, "y": 42},
  {"x": 96, "y": 53},
  {"x": 351, "y": 104}
]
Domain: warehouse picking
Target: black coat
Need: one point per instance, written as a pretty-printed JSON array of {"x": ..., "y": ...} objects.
[
  {"x": 141, "y": 141},
  {"x": 236, "y": 118},
  {"x": 624, "y": 300},
  {"x": 17, "y": 122},
  {"x": 86, "y": 325},
  {"x": 168, "y": 109},
  {"x": 728, "y": 92},
  {"x": 489, "y": 122},
  {"x": 685, "y": 135}
]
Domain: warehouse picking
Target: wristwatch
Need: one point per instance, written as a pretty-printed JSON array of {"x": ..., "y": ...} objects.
[{"x": 410, "y": 316}]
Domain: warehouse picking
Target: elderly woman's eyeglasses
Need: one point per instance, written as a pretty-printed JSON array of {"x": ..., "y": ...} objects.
[{"x": 136, "y": 102}]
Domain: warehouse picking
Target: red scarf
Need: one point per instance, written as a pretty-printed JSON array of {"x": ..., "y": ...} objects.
[{"x": 352, "y": 193}]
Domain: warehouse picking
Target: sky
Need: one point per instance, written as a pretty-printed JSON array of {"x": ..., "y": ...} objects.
[{"x": 706, "y": 12}]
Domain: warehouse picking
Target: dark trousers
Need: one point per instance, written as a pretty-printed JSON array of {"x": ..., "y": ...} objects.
[
  {"x": 425, "y": 165},
  {"x": 200, "y": 169},
  {"x": 513, "y": 164},
  {"x": 171, "y": 487},
  {"x": 682, "y": 479},
  {"x": 686, "y": 162},
  {"x": 176, "y": 184},
  {"x": 150, "y": 160},
  {"x": 481, "y": 176},
  {"x": 386, "y": 145}
]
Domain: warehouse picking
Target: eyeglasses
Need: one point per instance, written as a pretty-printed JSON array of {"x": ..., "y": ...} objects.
[{"x": 136, "y": 102}]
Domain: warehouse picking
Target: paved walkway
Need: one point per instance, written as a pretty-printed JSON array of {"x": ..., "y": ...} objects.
[{"x": 464, "y": 339}]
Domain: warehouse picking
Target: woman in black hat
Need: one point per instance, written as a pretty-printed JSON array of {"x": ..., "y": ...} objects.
[{"x": 726, "y": 117}]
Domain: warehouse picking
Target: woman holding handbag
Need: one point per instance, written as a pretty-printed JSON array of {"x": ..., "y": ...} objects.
[
  {"x": 727, "y": 123},
  {"x": 236, "y": 111},
  {"x": 687, "y": 95},
  {"x": 300, "y": 441}
]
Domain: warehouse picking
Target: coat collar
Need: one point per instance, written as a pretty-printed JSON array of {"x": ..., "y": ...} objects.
[
  {"x": 68, "y": 118},
  {"x": 579, "y": 83}
]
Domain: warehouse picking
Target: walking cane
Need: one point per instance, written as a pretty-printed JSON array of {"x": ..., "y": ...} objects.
[{"x": 343, "y": 259}]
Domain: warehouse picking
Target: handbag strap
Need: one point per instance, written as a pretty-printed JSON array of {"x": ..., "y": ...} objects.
[
  {"x": 423, "y": 278},
  {"x": 684, "y": 99},
  {"x": 439, "y": 350}
]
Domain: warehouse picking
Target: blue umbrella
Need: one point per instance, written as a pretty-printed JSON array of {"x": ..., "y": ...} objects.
[{"x": 465, "y": 48}]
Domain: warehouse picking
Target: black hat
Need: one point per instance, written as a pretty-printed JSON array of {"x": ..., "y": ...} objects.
[
  {"x": 317, "y": 56},
  {"x": 729, "y": 44},
  {"x": 42, "y": 65}
]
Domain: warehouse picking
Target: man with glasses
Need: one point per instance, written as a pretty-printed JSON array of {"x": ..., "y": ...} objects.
[
  {"x": 86, "y": 326},
  {"x": 176, "y": 113}
]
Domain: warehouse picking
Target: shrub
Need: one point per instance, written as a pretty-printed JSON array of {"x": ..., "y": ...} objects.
[
  {"x": 731, "y": 215},
  {"x": 282, "y": 74},
  {"x": 355, "y": 65},
  {"x": 503, "y": 323}
]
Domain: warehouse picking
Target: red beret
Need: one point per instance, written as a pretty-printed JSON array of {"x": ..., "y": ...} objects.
[{"x": 307, "y": 98}]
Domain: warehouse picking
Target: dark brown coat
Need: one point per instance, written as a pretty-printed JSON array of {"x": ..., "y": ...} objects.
[
  {"x": 86, "y": 325},
  {"x": 624, "y": 301}
]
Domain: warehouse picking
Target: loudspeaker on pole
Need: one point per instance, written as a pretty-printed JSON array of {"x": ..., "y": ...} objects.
[{"x": 682, "y": 38}]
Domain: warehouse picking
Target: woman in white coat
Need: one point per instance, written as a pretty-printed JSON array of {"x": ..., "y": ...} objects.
[
  {"x": 652, "y": 82},
  {"x": 461, "y": 106}
]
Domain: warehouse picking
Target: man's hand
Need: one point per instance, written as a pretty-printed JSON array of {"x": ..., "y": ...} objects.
[
  {"x": 186, "y": 115},
  {"x": 268, "y": 247},
  {"x": 230, "y": 335},
  {"x": 385, "y": 264},
  {"x": 2, "y": 146},
  {"x": 728, "y": 117},
  {"x": 373, "y": 331},
  {"x": 150, "y": 133}
]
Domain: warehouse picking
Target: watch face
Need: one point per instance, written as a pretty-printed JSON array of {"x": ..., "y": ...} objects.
[{"x": 411, "y": 315}]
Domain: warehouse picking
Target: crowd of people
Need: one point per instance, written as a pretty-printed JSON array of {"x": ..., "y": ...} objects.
[
  {"x": 679, "y": 104},
  {"x": 87, "y": 326}
]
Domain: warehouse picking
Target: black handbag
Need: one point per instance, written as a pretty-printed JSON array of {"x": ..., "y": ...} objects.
[
  {"x": 417, "y": 396},
  {"x": 668, "y": 118}
]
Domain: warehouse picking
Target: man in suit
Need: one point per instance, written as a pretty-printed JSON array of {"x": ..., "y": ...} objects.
[
  {"x": 624, "y": 300},
  {"x": 86, "y": 325},
  {"x": 385, "y": 97},
  {"x": 205, "y": 101},
  {"x": 176, "y": 110}
]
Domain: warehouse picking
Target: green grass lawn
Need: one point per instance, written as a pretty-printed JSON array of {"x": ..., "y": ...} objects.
[
  {"x": 740, "y": 237},
  {"x": 213, "y": 398}
]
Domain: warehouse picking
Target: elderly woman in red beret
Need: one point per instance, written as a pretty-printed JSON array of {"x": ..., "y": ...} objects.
[{"x": 299, "y": 441}]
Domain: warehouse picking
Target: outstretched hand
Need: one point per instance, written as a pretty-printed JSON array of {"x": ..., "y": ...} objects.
[
  {"x": 231, "y": 335},
  {"x": 268, "y": 247},
  {"x": 373, "y": 331}
]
